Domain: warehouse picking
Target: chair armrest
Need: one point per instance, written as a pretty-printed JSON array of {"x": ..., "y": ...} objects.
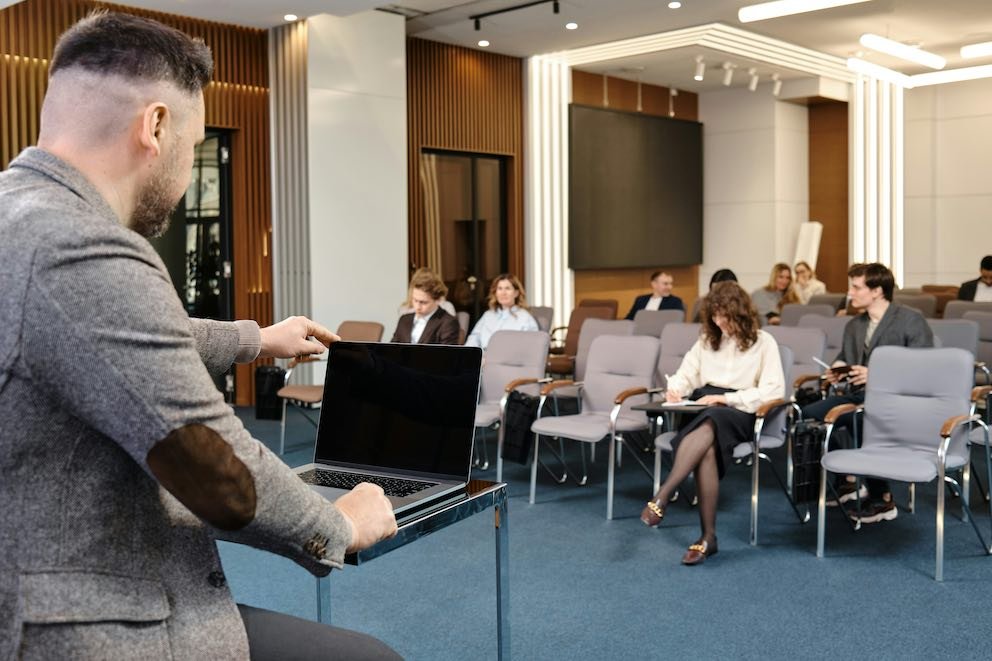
[
  {"x": 767, "y": 408},
  {"x": 952, "y": 423},
  {"x": 837, "y": 411},
  {"x": 978, "y": 393},
  {"x": 562, "y": 383},
  {"x": 516, "y": 383},
  {"x": 805, "y": 378},
  {"x": 629, "y": 392}
]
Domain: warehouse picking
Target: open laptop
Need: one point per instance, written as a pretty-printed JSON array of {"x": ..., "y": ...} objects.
[{"x": 398, "y": 415}]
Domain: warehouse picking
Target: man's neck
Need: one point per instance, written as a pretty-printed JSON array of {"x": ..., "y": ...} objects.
[
  {"x": 98, "y": 168},
  {"x": 877, "y": 309}
]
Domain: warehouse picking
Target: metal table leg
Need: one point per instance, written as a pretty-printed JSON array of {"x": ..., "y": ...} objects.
[{"x": 502, "y": 576}]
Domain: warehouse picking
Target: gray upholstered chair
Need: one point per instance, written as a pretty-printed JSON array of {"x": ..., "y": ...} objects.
[
  {"x": 543, "y": 315},
  {"x": 514, "y": 361},
  {"x": 591, "y": 329},
  {"x": 984, "y": 355},
  {"x": 833, "y": 328},
  {"x": 652, "y": 322},
  {"x": 805, "y": 342},
  {"x": 619, "y": 374},
  {"x": 957, "y": 309},
  {"x": 676, "y": 340},
  {"x": 964, "y": 333},
  {"x": 916, "y": 420},
  {"x": 793, "y": 312},
  {"x": 836, "y": 301},
  {"x": 463, "y": 321},
  {"x": 925, "y": 303}
]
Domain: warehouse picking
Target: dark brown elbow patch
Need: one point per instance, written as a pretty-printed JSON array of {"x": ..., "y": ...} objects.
[{"x": 200, "y": 469}]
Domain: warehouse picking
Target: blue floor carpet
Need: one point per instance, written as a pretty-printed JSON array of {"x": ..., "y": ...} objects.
[{"x": 583, "y": 587}]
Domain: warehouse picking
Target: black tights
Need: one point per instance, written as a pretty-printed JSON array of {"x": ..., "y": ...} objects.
[{"x": 697, "y": 452}]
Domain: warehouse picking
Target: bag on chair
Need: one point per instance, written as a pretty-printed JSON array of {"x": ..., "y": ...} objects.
[
  {"x": 520, "y": 414},
  {"x": 807, "y": 448}
]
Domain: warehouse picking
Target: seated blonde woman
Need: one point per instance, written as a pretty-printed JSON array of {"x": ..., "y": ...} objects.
[
  {"x": 769, "y": 299},
  {"x": 507, "y": 311},
  {"x": 428, "y": 323},
  {"x": 733, "y": 367}
]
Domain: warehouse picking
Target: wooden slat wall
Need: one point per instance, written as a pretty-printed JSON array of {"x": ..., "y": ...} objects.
[
  {"x": 464, "y": 100},
  {"x": 626, "y": 284},
  {"x": 237, "y": 99},
  {"x": 828, "y": 183}
]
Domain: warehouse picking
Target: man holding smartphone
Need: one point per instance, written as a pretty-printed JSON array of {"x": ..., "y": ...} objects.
[{"x": 883, "y": 323}]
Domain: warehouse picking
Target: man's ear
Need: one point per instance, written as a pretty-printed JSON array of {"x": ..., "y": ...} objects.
[{"x": 153, "y": 122}]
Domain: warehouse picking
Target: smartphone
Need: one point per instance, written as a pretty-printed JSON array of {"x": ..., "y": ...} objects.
[{"x": 840, "y": 369}]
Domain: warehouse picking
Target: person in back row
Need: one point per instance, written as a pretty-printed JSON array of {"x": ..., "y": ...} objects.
[
  {"x": 507, "y": 311},
  {"x": 806, "y": 285},
  {"x": 429, "y": 323},
  {"x": 979, "y": 289},
  {"x": 660, "y": 298},
  {"x": 884, "y": 324},
  {"x": 770, "y": 299}
]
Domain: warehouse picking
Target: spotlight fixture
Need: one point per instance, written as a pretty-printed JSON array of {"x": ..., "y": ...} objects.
[
  {"x": 290, "y": 18},
  {"x": 728, "y": 73},
  {"x": 976, "y": 50},
  {"x": 776, "y": 85},
  {"x": 483, "y": 43},
  {"x": 700, "y": 68},
  {"x": 753, "y": 83},
  {"x": 478, "y": 25},
  {"x": 675, "y": 4},
  {"x": 571, "y": 25},
  {"x": 902, "y": 51},
  {"x": 766, "y": 10}
]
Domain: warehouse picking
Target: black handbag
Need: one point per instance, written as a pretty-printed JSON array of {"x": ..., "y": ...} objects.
[
  {"x": 807, "y": 448},
  {"x": 520, "y": 414}
]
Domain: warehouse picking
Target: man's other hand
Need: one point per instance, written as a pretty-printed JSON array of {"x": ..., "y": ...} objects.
[{"x": 295, "y": 337}]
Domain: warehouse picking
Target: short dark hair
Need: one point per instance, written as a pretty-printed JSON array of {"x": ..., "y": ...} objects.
[
  {"x": 875, "y": 275},
  {"x": 723, "y": 275},
  {"x": 657, "y": 273},
  {"x": 135, "y": 48},
  {"x": 987, "y": 263}
]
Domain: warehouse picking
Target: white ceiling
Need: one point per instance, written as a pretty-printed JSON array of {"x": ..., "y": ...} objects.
[{"x": 941, "y": 26}]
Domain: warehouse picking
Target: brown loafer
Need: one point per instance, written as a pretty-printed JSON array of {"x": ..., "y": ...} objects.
[
  {"x": 653, "y": 513},
  {"x": 698, "y": 552}
]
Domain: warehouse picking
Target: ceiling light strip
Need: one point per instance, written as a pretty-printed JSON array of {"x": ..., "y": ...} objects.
[
  {"x": 983, "y": 49},
  {"x": 902, "y": 51},
  {"x": 951, "y": 75},
  {"x": 877, "y": 72},
  {"x": 766, "y": 10}
]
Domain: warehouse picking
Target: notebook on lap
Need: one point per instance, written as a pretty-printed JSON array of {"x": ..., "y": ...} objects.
[{"x": 398, "y": 415}]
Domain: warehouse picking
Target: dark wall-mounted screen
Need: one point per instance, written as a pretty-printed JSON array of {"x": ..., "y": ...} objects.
[{"x": 635, "y": 190}]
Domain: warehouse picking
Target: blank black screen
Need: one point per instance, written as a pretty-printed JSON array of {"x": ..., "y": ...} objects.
[{"x": 635, "y": 190}]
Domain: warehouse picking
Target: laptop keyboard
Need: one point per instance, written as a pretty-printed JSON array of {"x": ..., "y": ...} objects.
[{"x": 392, "y": 486}]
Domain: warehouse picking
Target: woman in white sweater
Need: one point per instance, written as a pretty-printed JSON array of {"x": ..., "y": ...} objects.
[{"x": 734, "y": 367}]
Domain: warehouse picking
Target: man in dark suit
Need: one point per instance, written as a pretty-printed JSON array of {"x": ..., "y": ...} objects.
[
  {"x": 428, "y": 323},
  {"x": 660, "y": 298},
  {"x": 979, "y": 289},
  {"x": 884, "y": 324}
]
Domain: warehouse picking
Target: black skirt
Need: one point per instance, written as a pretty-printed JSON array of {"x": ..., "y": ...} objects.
[{"x": 732, "y": 428}]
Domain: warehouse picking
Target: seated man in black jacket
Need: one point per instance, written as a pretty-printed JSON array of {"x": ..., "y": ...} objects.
[
  {"x": 660, "y": 298},
  {"x": 884, "y": 323},
  {"x": 979, "y": 289}
]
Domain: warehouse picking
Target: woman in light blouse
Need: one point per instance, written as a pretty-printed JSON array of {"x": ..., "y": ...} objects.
[
  {"x": 734, "y": 367},
  {"x": 806, "y": 285},
  {"x": 507, "y": 311}
]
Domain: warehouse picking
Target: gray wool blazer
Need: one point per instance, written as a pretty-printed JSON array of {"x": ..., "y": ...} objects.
[
  {"x": 899, "y": 326},
  {"x": 98, "y": 363}
]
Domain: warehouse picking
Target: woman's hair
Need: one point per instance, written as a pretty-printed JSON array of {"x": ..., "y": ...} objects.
[
  {"x": 428, "y": 282},
  {"x": 723, "y": 275},
  {"x": 728, "y": 300},
  {"x": 789, "y": 295},
  {"x": 515, "y": 281}
]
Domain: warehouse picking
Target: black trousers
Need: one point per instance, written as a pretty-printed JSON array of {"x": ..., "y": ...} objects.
[{"x": 282, "y": 637}]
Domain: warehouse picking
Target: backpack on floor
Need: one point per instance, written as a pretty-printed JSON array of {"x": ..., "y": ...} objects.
[
  {"x": 520, "y": 414},
  {"x": 807, "y": 448}
]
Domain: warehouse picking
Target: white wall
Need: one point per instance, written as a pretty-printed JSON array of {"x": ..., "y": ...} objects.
[
  {"x": 756, "y": 185},
  {"x": 948, "y": 181},
  {"x": 356, "y": 79}
]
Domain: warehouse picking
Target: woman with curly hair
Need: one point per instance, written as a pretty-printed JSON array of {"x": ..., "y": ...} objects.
[{"x": 733, "y": 368}]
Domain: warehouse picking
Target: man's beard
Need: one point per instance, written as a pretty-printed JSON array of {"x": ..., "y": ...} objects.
[{"x": 154, "y": 207}]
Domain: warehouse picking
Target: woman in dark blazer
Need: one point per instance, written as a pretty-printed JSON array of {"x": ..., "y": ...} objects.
[{"x": 428, "y": 323}]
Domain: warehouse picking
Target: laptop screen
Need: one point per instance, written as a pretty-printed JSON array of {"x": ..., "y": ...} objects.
[{"x": 402, "y": 408}]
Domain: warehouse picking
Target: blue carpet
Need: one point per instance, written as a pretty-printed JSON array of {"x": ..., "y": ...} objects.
[{"x": 583, "y": 587}]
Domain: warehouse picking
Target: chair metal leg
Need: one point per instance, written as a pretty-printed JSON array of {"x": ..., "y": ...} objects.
[
  {"x": 282, "y": 430},
  {"x": 912, "y": 497},
  {"x": 499, "y": 453},
  {"x": 939, "y": 572},
  {"x": 609, "y": 479},
  {"x": 657, "y": 471},
  {"x": 533, "y": 467},
  {"x": 821, "y": 511},
  {"x": 754, "y": 493}
]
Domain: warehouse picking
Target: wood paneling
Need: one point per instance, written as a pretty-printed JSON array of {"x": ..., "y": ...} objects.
[
  {"x": 828, "y": 189},
  {"x": 236, "y": 99},
  {"x": 626, "y": 284},
  {"x": 465, "y": 100}
]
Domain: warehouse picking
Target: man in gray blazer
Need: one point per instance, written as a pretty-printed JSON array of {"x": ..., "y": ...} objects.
[
  {"x": 118, "y": 457},
  {"x": 883, "y": 323}
]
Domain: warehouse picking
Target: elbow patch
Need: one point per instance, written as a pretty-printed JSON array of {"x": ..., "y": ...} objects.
[{"x": 200, "y": 469}]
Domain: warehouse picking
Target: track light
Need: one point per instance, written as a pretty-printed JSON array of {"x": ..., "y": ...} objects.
[
  {"x": 478, "y": 25},
  {"x": 554, "y": 6},
  {"x": 477, "y": 18},
  {"x": 753, "y": 83},
  {"x": 700, "y": 68},
  {"x": 728, "y": 74},
  {"x": 776, "y": 85},
  {"x": 902, "y": 51}
]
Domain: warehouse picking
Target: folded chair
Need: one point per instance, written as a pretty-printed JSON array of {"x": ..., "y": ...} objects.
[
  {"x": 619, "y": 375},
  {"x": 916, "y": 419},
  {"x": 514, "y": 359}
]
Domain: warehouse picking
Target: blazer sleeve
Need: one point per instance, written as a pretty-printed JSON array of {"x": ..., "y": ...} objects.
[
  {"x": 918, "y": 332},
  {"x": 448, "y": 331},
  {"x": 404, "y": 328}
]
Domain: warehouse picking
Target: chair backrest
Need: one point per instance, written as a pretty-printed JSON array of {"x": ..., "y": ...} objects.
[
  {"x": 911, "y": 392},
  {"x": 360, "y": 331},
  {"x": 833, "y": 300},
  {"x": 793, "y": 312},
  {"x": 463, "y": 320},
  {"x": 542, "y": 315},
  {"x": 694, "y": 313},
  {"x": 775, "y": 426},
  {"x": 960, "y": 333},
  {"x": 617, "y": 363},
  {"x": 804, "y": 343},
  {"x": 984, "y": 321},
  {"x": 956, "y": 309},
  {"x": 651, "y": 322},
  {"x": 593, "y": 328},
  {"x": 676, "y": 340},
  {"x": 577, "y": 319},
  {"x": 925, "y": 303},
  {"x": 512, "y": 355},
  {"x": 600, "y": 303},
  {"x": 832, "y": 327}
]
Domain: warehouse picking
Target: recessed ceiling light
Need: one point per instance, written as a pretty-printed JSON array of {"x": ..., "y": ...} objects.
[
  {"x": 290, "y": 17},
  {"x": 675, "y": 4},
  {"x": 483, "y": 43},
  {"x": 572, "y": 26}
]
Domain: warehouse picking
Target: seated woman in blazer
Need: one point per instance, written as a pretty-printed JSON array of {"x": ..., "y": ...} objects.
[{"x": 428, "y": 323}]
